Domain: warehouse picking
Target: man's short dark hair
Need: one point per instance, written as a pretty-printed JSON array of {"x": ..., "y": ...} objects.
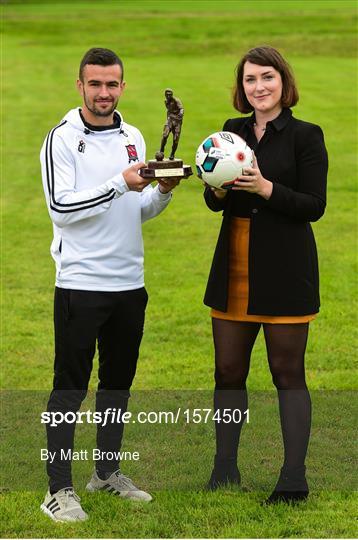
[{"x": 100, "y": 57}]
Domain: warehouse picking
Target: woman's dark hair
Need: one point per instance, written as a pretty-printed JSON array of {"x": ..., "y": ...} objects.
[
  {"x": 265, "y": 56},
  {"x": 100, "y": 57}
]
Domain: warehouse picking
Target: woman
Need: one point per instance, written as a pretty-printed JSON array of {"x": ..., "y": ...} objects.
[{"x": 265, "y": 268}]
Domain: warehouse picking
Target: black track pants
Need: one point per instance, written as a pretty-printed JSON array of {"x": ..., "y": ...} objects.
[{"x": 115, "y": 321}]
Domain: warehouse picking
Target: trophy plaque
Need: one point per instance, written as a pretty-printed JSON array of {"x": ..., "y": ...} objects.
[
  {"x": 170, "y": 168},
  {"x": 166, "y": 168}
]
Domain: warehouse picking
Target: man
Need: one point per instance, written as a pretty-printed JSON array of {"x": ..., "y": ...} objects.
[
  {"x": 175, "y": 113},
  {"x": 97, "y": 202}
]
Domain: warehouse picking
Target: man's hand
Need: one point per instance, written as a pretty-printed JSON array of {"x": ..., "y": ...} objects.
[
  {"x": 132, "y": 178},
  {"x": 167, "y": 184}
]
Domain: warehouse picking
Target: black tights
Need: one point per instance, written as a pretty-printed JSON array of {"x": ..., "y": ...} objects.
[{"x": 285, "y": 345}]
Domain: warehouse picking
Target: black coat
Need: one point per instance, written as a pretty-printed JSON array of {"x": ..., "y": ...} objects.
[{"x": 283, "y": 264}]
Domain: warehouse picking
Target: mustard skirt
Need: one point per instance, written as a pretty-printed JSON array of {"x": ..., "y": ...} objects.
[{"x": 239, "y": 281}]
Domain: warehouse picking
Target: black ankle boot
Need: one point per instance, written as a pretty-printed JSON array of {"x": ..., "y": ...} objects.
[
  {"x": 291, "y": 487},
  {"x": 225, "y": 472}
]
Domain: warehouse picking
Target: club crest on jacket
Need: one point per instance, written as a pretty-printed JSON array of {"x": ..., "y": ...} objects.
[{"x": 132, "y": 153}]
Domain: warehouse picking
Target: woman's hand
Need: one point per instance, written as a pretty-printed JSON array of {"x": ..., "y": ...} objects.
[
  {"x": 253, "y": 182},
  {"x": 218, "y": 192}
]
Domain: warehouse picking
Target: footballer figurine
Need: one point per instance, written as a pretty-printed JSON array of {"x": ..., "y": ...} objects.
[
  {"x": 175, "y": 113},
  {"x": 160, "y": 168}
]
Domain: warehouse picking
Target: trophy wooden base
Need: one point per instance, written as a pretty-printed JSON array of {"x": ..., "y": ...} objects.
[{"x": 167, "y": 168}]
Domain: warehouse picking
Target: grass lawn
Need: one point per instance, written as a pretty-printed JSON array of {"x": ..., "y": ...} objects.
[{"x": 192, "y": 47}]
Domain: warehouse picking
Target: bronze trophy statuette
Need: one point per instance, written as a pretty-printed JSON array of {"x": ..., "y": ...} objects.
[{"x": 160, "y": 167}]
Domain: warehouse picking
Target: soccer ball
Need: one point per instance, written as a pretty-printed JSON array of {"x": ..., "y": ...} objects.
[{"x": 221, "y": 158}]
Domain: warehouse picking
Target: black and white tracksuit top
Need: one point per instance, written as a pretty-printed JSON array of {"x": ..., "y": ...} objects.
[{"x": 97, "y": 244}]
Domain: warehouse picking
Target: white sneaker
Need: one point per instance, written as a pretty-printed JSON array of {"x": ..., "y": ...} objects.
[
  {"x": 64, "y": 505},
  {"x": 118, "y": 484}
]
